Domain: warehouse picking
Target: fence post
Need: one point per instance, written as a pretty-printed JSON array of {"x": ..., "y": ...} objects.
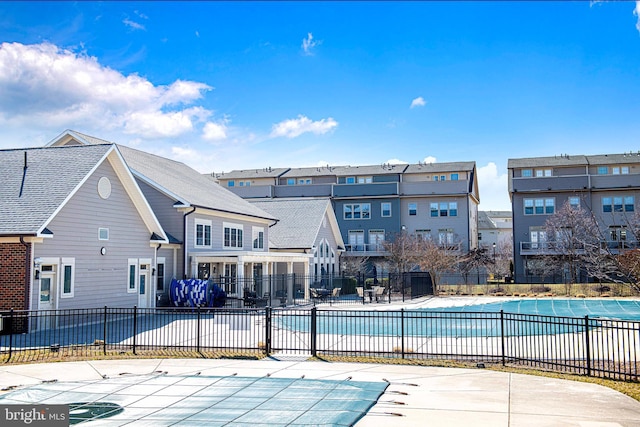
[
  {"x": 402, "y": 331},
  {"x": 401, "y": 275},
  {"x": 198, "y": 332},
  {"x": 267, "y": 330},
  {"x": 314, "y": 330},
  {"x": 10, "y": 334},
  {"x": 587, "y": 343},
  {"x": 502, "y": 336},
  {"x": 135, "y": 326},
  {"x": 104, "y": 332}
]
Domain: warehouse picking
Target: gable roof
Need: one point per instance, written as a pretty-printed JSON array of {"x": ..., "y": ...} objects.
[
  {"x": 299, "y": 223},
  {"x": 38, "y": 182},
  {"x": 185, "y": 185}
]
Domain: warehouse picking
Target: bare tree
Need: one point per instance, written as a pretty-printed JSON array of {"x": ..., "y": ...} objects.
[
  {"x": 475, "y": 259},
  {"x": 573, "y": 242},
  {"x": 401, "y": 252},
  {"x": 437, "y": 259},
  {"x": 353, "y": 265}
]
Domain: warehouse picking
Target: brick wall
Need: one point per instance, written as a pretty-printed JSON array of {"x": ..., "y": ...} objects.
[{"x": 13, "y": 275}]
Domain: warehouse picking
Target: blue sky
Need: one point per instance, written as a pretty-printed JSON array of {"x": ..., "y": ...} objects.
[{"x": 244, "y": 85}]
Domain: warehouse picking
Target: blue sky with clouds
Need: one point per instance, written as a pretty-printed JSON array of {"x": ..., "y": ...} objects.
[{"x": 240, "y": 85}]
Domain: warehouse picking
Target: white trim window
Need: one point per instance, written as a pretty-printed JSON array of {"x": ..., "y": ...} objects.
[
  {"x": 203, "y": 233},
  {"x": 132, "y": 276},
  {"x": 258, "y": 237},
  {"x": 160, "y": 273},
  {"x": 233, "y": 235},
  {"x": 443, "y": 209},
  {"x": 618, "y": 204},
  {"x": 413, "y": 209},
  {"x": 385, "y": 209},
  {"x": 103, "y": 233},
  {"x": 357, "y": 211},
  {"x": 67, "y": 273},
  {"x": 539, "y": 206}
]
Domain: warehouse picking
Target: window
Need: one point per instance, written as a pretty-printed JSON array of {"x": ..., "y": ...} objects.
[
  {"x": 442, "y": 177},
  {"x": 435, "y": 177},
  {"x": 351, "y": 180},
  {"x": 376, "y": 237},
  {"x": 539, "y": 206},
  {"x": 364, "y": 180},
  {"x": 543, "y": 172},
  {"x": 231, "y": 183},
  {"x": 454, "y": 177},
  {"x": 615, "y": 170},
  {"x": 304, "y": 181},
  {"x": 424, "y": 234},
  {"x": 258, "y": 237},
  {"x": 245, "y": 183},
  {"x": 527, "y": 173},
  {"x": 385, "y": 209},
  {"x": 133, "y": 273},
  {"x": 160, "y": 274},
  {"x": 618, "y": 204},
  {"x": 625, "y": 170},
  {"x": 68, "y": 267},
  {"x": 603, "y": 170},
  {"x": 356, "y": 240},
  {"x": 538, "y": 237},
  {"x": 437, "y": 209},
  {"x": 291, "y": 181},
  {"x": 413, "y": 209},
  {"x": 445, "y": 236},
  {"x": 357, "y": 211},
  {"x": 103, "y": 234},
  {"x": 203, "y": 233},
  {"x": 232, "y": 235},
  {"x": 574, "y": 202}
]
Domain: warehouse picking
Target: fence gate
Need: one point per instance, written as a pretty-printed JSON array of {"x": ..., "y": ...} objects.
[{"x": 290, "y": 331}]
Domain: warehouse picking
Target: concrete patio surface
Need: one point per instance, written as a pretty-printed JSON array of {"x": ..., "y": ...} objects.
[{"x": 416, "y": 396}]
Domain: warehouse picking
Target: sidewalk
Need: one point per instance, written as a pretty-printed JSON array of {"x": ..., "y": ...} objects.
[{"x": 416, "y": 396}]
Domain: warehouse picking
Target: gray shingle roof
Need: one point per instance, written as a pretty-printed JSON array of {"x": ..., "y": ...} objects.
[
  {"x": 253, "y": 173},
  {"x": 187, "y": 184},
  {"x": 300, "y": 221},
  {"x": 573, "y": 160},
  {"x": 440, "y": 167},
  {"x": 50, "y": 177}
]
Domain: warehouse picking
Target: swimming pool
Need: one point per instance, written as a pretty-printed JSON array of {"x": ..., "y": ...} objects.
[
  {"x": 522, "y": 317},
  {"x": 594, "y": 308}
]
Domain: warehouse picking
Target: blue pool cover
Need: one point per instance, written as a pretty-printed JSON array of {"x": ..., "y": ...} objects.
[
  {"x": 164, "y": 400},
  {"x": 594, "y": 308}
]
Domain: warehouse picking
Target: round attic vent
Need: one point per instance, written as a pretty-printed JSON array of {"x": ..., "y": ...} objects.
[{"x": 104, "y": 187}]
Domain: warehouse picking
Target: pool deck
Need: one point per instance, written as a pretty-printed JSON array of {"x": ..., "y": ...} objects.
[{"x": 416, "y": 395}]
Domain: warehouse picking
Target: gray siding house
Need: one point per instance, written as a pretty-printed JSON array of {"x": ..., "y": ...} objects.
[
  {"x": 211, "y": 232},
  {"x": 606, "y": 185},
  {"x": 85, "y": 233}
]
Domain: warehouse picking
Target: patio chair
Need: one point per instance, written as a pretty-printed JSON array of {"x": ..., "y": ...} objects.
[
  {"x": 360, "y": 291},
  {"x": 379, "y": 292},
  {"x": 335, "y": 293}
]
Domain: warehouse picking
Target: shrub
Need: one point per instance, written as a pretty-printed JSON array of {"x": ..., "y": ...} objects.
[
  {"x": 603, "y": 288},
  {"x": 540, "y": 289}
]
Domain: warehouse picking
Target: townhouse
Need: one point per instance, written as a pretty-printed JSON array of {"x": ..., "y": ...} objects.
[{"x": 607, "y": 185}]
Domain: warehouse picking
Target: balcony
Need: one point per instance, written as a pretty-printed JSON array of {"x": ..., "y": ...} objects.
[
  {"x": 365, "y": 190},
  {"x": 615, "y": 181},
  {"x": 310, "y": 190},
  {"x": 551, "y": 248},
  {"x": 555, "y": 183},
  {"x": 365, "y": 249},
  {"x": 252, "y": 192},
  {"x": 434, "y": 188}
]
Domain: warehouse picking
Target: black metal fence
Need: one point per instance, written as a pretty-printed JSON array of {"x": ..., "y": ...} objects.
[{"x": 585, "y": 346}]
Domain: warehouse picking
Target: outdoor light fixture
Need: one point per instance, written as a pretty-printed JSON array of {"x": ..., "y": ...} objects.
[{"x": 103, "y": 251}]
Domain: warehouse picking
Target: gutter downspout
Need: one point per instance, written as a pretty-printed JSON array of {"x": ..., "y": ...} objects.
[
  {"x": 184, "y": 248},
  {"x": 27, "y": 272}
]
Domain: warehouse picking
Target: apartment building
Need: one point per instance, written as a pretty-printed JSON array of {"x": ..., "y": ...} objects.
[
  {"x": 373, "y": 203},
  {"x": 608, "y": 185}
]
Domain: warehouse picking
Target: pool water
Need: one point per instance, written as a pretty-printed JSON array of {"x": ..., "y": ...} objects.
[{"x": 594, "y": 308}]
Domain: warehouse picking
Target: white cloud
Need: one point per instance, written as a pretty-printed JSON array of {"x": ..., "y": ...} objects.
[
  {"x": 309, "y": 43},
  {"x": 418, "y": 102},
  {"x": 133, "y": 25},
  {"x": 214, "y": 131},
  {"x": 42, "y": 86},
  {"x": 493, "y": 189},
  {"x": 636, "y": 12},
  {"x": 396, "y": 162},
  {"x": 429, "y": 159},
  {"x": 292, "y": 128}
]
